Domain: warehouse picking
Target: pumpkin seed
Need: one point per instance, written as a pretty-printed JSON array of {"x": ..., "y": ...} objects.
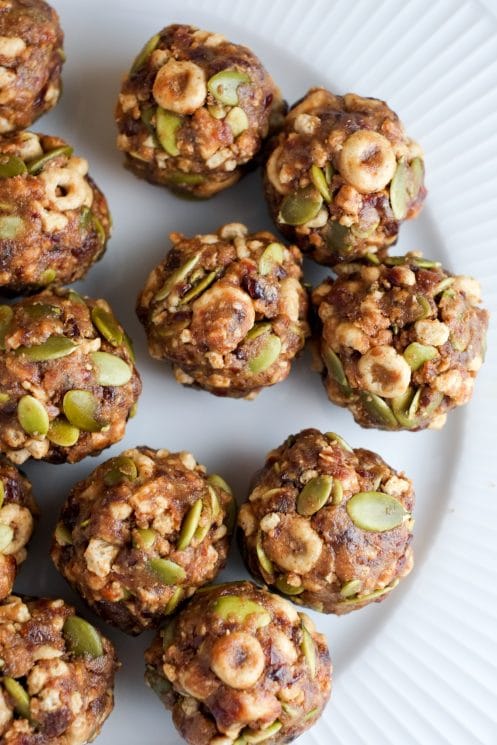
[
  {"x": 120, "y": 469},
  {"x": 443, "y": 285},
  {"x": 145, "y": 53},
  {"x": 167, "y": 571},
  {"x": 6, "y": 316},
  {"x": 282, "y": 585},
  {"x": 11, "y": 227},
  {"x": 217, "y": 111},
  {"x": 177, "y": 276},
  {"x": 216, "y": 480},
  {"x": 329, "y": 172},
  {"x": 80, "y": 408},
  {"x": 11, "y": 166},
  {"x": 174, "y": 601},
  {"x": 32, "y": 416},
  {"x": 224, "y": 85},
  {"x": 167, "y": 125},
  {"x": 204, "y": 525},
  {"x": 334, "y": 367},
  {"x": 53, "y": 348},
  {"x": 197, "y": 289},
  {"x": 160, "y": 685},
  {"x": 308, "y": 648},
  {"x": 350, "y": 588},
  {"x": 189, "y": 525},
  {"x": 319, "y": 180},
  {"x": 337, "y": 492},
  {"x": 36, "y": 165},
  {"x": 240, "y": 609},
  {"x": 425, "y": 307},
  {"x": 339, "y": 440},
  {"x": 257, "y": 330},
  {"x": 6, "y": 535},
  {"x": 2, "y": 492},
  {"x": 4, "y": 398},
  {"x": 399, "y": 196},
  {"x": 167, "y": 633},
  {"x": 369, "y": 597},
  {"x": 264, "y": 560},
  {"x": 271, "y": 257},
  {"x": 38, "y": 311},
  {"x": 314, "y": 495},
  {"x": 291, "y": 711},
  {"x": 237, "y": 120},
  {"x": 337, "y": 237},
  {"x": 179, "y": 178},
  {"x": 82, "y": 638},
  {"x": 417, "y": 173},
  {"x": 378, "y": 409},
  {"x": 373, "y": 259},
  {"x": 215, "y": 506},
  {"x": 19, "y": 696},
  {"x": 110, "y": 369},
  {"x": 416, "y": 354},
  {"x": 300, "y": 207},
  {"x": 425, "y": 263},
  {"x": 108, "y": 325},
  {"x": 261, "y": 735},
  {"x": 267, "y": 355},
  {"x": 401, "y": 406},
  {"x": 375, "y": 511},
  {"x": 62, "y": 433},
  {"x": 63, "y": 535},
  {"x": 144, "y": 538},
  {"x": 310, "y": 714}
]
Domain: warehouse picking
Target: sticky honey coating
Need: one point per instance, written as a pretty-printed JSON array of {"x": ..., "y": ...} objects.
[
  {"x": 402, "y": 342},
  {"x": 326, "y": 525},
  {"x": 342, "y": 175},
  {"x": 57, "y": 674},
  {"x": 142, "y": 533},
  {"x": 68, "y": 383},
  {"x": 194, "y": 110},
  {"x": 228, "y": 309},
  {"x": 31, "y": 58},
  {"x": 240, "y": 665},
  {"x": 54, "y": 220}
]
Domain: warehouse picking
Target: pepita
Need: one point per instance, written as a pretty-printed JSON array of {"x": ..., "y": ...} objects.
[
  {"x": 197, "y": 289},
  {"x": 144, "y": 538},
  {"x": 271, "y": 257},
  {"x": 167, "y": 125},
  {"x": 145, "y": 53},
  {"x": 174, "y": 601},
  {"x": 80, "y": 408},
  {"x": 300, "y": 206},
  {"x": 108, "y": 326},
  {"x": 240, "y": 609},
  {"x": 337, "y": 237},
  {"x": 416, "y": 354},
  {"x": 180, "y": 178},
  {"x": 177, "y": 276},
  {"x": 19, "y": 696},
  {"x": 443, "y": 285},
  {"x": 370, "y": 596},
  {"x": 334, "y": 367},
  {"x": 378, "y": 409},
  {"x": 63, "y": 535},
  {"x": 2, "y": 492},
  {"x": 262, "y": 557},
  {"x": 11, "y": 227},
  {"x": 32, "y": 416},
  {"x": 261, "y": 735},
  {"x": 282, "y": 585},
  {"x": 224, "y": 85},
  {"x": 167, "y": 634},
  {"x": 160, "y": 685},
  {"x": 36, "y": 311},
  {"x": 314, "y": 495},
  {"x": 267, "y": 355},
  {"x": 319, "y": 180},
  {"x": 339, "y": 440},
  {"x": 350, "y": 588},
  {"x": 62, "y": 433},
  {"x": 11, "y": 166},
  {"x": 53, "y": 348},
  {"x": 36, "y": 165},
  {"x": 376, "y": 512},
  {"x": 167, "y": 571},
  {"x": 308, "y": 649},
  {"x": 257, "y": 330},
  {"x": 402, "y": 407},
  {"x": 237, "y": 120},
  {"x": 425, "y": 307},
  {"x": 337, "y": 492},
  {"x": 6, "y": 536},
  {"x": 189, "y": 525},
  {"x": 119, "y": 469},
  {"x": 215, "y": 506},
  {"x": 110, "y": 369},
  {"x": 216, "y": 480},
  {"x": 82, "y": 638}
]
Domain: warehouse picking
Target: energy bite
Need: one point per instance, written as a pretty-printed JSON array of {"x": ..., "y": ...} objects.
[
  {"x": 54, "y": 220},
  {"x": 240, "y": 665},
  {"x": 342, "y": 175},
  {"x": 227, "y": 309},
  {"x": 327, "y": 525},
  {"x": 57, "y": 674},
  {"x": 194, "y": 109},
  {"x": 31, "y": 58},
  {"x": 17, "y": 512},
  {"x": 401, "y": 342},
  {"x": 142, "y": 533},
  {"x": 68, "y": 383}
]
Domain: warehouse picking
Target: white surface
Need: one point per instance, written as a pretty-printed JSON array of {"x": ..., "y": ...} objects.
[{"x": 421, "y": 667}]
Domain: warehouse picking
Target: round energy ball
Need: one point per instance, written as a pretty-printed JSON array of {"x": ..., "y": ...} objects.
[
  {"x": 54, "y": 221},
  {"x": 239, "y": 664},
  {"x": 17, "y": 512},
  {"x": 57, "y": 674},
  {"x": 327, "y": 525},
  {"x": 342, "y": 175},
  {"x": 194, "y": 109},
  {"x": 68, "y": 383},
  {"x": 401, "y": 342},
  {"x": 31, "y": 58},
  {"x": 142, "y": 533},
  {"x": 228, "y": 310}
]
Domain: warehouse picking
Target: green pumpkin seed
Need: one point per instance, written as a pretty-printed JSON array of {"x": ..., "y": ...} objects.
[
  {"x": 4, "y": 398},
  {"x": 53, "y": 348},
  {"x": 80, "y": 408},
  {"x": 291, "y": 711},
  {"x": 177, "y": 276},
  {"x": 369, "y": 597},
  {"x": 62, "y": 433},
  {"x": 217, "y": 111},
  {"x": 36, "y": 165},
  {"x": 145, "y": 53},
  {"x": 337, "y": 492},
  {"x": 350, "y": 588},
  {"x": 197, "y": 289},
  {"x": 271, "y": 257},
  {"x": 319, "y": 180},
  {"x": 334, "y": 367},
  {"x": 417, "y": 175},
  {"x": 160, "y": 685},
  {"x": 240, "y": 609},
  {"x": 425, "y": 263},
  {"x": 261, "y": 735},
  {"x": 425, "y": 307},
  {"x": 282, "y": 585},
  {"x": 310, "y": 714},
  {"x": 120, "y": 469},
  {"x": 167, "y": 634},
  {"x": 147, "y": 117},
  {"x": 2, "y": 492},
  {"x": 110, "y": 369},
  {"x": 216, "y": 480},
  {"x": 373, "y": 259},
  {"x": 329, "y": 172},
  {"x": 6, "y": 535},
  {"x": 167, "y": 125},
  {"x": 215, "y": 506},
  {"x": 179, "y": 178},
  {"x": 443, "y": 285},
  {"x": 82, "y": 638},
  {"x": 262, "y": 557},
  {"x": 337, "y": 237},
  {"x": 416, "y": 354},
  {"x": 399, "y": 196},
  {"x": 174, "y": 601},
  {"x": 63, "y": 535},
  {"x": 19, "y": 696},
  {"x": 11, "y": 227},
  {"x": 267, "y": 355},
  {"x": 339, "y": 440},
  {"x": 224, "y": 85},
  {"x": 6, "y": 316},
  {"x": 189, "y": 525},
  {"x": 144, "y": 538},
  {"x": 300, "y": 207},
  {"x": 308, "y": 648},
  {"x": 378, "y": 409},
  {"x": 11, "y": 166},
  {"x": 32, "y": 416},
  {"x": 108, "y": 325},
  {"x": 204, "y": 524},
  {"x": 404, "y": 407},
  {"x": 314, "y": 495},
  {"x": 257, "y": 330},
  {"x": 376, "y": 512},
  {"x": 37, "y": 311},
  {"x": 167, "y": 571},
  {"x": 363, "y": 232},
  {"x": 237, "y": 120}
]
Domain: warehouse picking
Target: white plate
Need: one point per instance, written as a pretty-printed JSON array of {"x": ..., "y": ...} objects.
[{"x": 421, "y": 667}]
